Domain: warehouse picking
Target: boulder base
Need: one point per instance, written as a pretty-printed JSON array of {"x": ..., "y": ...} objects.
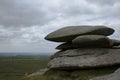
[{"x": 85, "y": 58}]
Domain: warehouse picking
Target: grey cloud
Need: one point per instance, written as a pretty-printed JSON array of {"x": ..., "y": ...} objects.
[
  {"x": 20, "y": 35},
  {"x": 104, "y": 2},
  {"x": 71, "y": 8},
  {"x": 18, "y": 13},
  {"x": 105, "y": 7},
  {"x": 75, "y": 7}
]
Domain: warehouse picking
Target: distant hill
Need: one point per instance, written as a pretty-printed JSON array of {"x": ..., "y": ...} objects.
[{"x": 24, "y": 55}]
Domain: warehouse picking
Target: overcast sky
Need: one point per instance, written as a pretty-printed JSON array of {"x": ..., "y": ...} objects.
[{"x": 25, "y": 23}]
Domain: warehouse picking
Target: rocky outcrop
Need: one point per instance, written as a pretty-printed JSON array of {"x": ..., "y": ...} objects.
[{"x": 85, "y": 47}]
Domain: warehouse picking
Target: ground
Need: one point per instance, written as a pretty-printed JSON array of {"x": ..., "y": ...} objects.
[{"x": 73, "y": 75}]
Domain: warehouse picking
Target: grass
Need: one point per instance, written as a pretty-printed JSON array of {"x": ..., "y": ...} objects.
[
  {"x": 17, "y": 68},
  {"x": 73, "y": 75}
]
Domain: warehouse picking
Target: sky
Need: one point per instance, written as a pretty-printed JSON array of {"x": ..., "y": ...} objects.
[{"x": 25, "y": 23}]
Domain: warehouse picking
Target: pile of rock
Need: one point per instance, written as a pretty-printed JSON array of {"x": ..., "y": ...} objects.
[{"x": 84, "y": 47}]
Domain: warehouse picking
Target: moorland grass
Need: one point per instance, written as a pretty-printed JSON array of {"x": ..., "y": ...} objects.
[{"x": 17, "y": 68}]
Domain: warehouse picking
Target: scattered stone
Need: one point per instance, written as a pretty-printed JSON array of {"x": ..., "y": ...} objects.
[
  {"x": 91, "y": 41},
  {"x": 113, "y": 76},
  {"x": 69, "y": 33},
  {"x": 85, "y": 60}
]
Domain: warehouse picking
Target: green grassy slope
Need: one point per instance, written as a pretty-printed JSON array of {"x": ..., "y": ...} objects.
[{"x": 17, "y": 68}]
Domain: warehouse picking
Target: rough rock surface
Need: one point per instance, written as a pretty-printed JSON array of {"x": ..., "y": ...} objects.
[
  {"x": 65, "y": 46},
  {"x": 86, "y": 58},
  {"x": 68, "y": 33},
  {"x": 80, "y": 52},
  {"x": 91, "y": 41},
  {"x": 113, "y": 76},
  {"x": 116, "y": 42}
]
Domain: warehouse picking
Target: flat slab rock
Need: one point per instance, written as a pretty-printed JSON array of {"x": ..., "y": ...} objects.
[
  {"x": 113, "y": 76},
  {"x": 81, "y": 52},
  {"x": 92, "y": 41},
  {"x": 69, "y": 33},
  {"x": 85, "y": 58},
  {"x": 69, "y": 45},
  {"x": 65, "y": 46}
]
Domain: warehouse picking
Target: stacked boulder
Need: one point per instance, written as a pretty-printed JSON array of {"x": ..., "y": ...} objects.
[{"x": 84, "y": 47}]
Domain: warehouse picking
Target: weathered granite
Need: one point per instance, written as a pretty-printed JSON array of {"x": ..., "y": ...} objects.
[
  {"x": 65, "y": 46},
  {"x": 80, "y": 52},
  {"x": 67, "y": 34},
  {"x": 75, "y": 59},
  {"x": 91, "y": 41}
]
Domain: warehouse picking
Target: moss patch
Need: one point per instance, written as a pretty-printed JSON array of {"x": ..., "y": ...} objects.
[{"x": 73, "y": 75}]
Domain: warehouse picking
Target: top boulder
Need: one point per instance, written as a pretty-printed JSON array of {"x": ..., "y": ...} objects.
[{"x": 67, "y": 34}]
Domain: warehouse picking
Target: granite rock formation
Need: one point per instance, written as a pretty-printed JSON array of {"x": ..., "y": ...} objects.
[
  {"x": 85, "y": 58},
  {"x": 85, "y": 47}
]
